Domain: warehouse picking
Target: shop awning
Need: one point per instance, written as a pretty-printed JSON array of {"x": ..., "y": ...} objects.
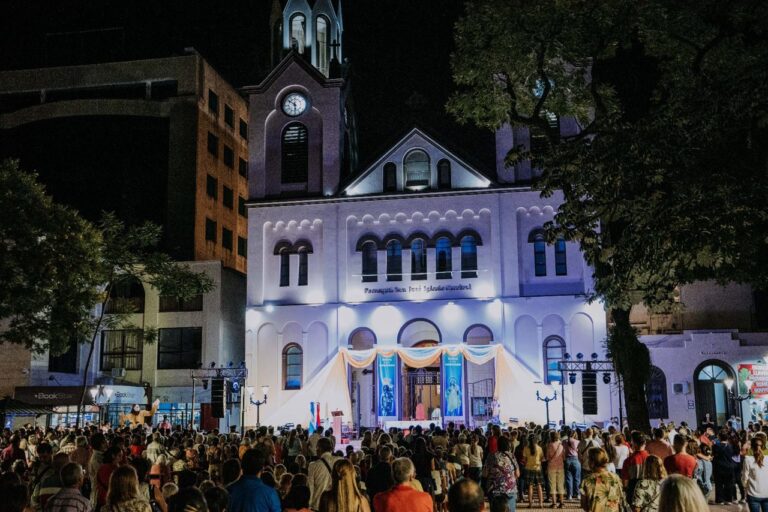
[{"x": 9, "y": 406}]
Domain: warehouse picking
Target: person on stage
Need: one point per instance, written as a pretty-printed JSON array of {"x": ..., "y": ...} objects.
[{"x": 138, "y": 417}]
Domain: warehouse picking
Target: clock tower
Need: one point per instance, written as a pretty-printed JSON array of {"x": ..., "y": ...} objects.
[{"x": 301, "y": 129}]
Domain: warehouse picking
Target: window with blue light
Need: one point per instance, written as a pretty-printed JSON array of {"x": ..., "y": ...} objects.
[
  {"x": 540, "y": 255},
  {"x": 293, "y": 362},
  {"x": 418, "y": 260},
  {"x": 394, "y": 261},
  {"x": 303, "y": 267},
  {"x": 468, "y": 257},
  {"x": 561, "y": 265},
  {"x": 443, "y": 258},
  {"x": 554, "y": 348}
]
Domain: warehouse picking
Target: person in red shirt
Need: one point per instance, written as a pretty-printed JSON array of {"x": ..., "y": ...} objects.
[
  {"x": 493, "y": 439},
  {"x": 659, "y": 446},
  {"x": 402, "y": 497},
  {"x": 680, "y": 463},
  {"x": 632, "y": 470},
  {"x": 112, "y": 459}
]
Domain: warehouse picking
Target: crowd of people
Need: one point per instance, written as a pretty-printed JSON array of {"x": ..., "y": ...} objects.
[{"x": 452, "y": 469}]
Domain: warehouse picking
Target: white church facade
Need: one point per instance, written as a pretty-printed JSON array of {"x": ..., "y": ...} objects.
[{"x": 419, "y": 250}]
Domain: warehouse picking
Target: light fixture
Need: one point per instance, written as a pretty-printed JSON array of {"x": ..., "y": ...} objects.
[
  {"x": 213, "y": 364},
  {"x": 594, "y": 356},
  {"x": 265, "y": 389},
  {"x": 572, "y": 377},
  {"x": 608, "y": 356},
  {"x": 270, "y": 308},
  {"x": 606, "y": 378},
  {"x": 94, "y": 392},
  {"x": 748, "y": 383},
  {"x": 566, "y": 356},
  {"x": 728, "y": 383},
  {"x": 579, "y": 356},
  {"x": 108, "y": 392}
]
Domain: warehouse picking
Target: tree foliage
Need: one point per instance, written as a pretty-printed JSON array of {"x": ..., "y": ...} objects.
[{"x": 666, "y": 182}]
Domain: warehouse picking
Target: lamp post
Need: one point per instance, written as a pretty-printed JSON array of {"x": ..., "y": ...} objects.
[
  {"x": 737, "y": 397},
  {"x": 101, "y": 392},
  {"x": 548, "y": 399},
  {"x": 258, "y": 403}
]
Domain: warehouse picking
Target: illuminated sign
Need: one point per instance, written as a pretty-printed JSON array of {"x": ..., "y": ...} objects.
[{"x": 758, "y": 375}]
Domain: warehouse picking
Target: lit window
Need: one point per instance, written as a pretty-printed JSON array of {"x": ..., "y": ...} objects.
[
  {"x": 554, "y": 348},
  {"x": 321, "y": 36},
  {"x": 417, "y": 172},
  {"x": 298, "y": 32},
  {"x": 443, "y": 258},
  {"x": 418, "y": 260},
  {"x": 561, "y": 265},
  {"x": 121, "y": 349},
  {"x": 293, "y": 362},
  {"x": 394, "y": 261},
  {"x": 468, "y": 257},
  {"x": 540, "y": 255}
]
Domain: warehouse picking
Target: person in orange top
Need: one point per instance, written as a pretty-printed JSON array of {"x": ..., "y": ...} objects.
[{"x": 402, "y": 497}]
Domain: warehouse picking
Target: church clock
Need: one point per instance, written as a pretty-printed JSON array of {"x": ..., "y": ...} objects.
[{"x": 294, "y": 104}]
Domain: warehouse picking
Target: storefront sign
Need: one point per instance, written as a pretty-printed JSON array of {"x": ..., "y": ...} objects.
[
  {"x": 758, "y": 374},
  {"x": 387, "y": 392},
  {"x": 453, "y": 392},
  {"x": 49, "y": 395}
]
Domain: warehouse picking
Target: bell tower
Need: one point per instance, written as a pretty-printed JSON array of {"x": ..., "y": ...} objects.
[{"x": 301, "y": 133}]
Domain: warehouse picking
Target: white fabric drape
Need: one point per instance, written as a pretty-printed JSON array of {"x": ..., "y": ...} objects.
[{"x": 421, "y": 357}]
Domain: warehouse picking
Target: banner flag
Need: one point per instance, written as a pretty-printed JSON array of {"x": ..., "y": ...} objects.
[
  {"x": 453, "y": 391},
  {"x": 387, "y": 388}
]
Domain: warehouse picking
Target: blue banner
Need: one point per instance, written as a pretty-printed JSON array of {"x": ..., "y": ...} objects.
[
  {"x": 386, "y": 367},
  {"x": 453, "y": 386}
]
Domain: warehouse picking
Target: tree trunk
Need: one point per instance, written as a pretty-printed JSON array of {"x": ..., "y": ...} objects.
[
  {"x": 84, "y": 389},
  {"x": 633, "y": 363}
]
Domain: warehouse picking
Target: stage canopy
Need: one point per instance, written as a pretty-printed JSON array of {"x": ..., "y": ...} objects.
[{"x": 515, "y": 385}]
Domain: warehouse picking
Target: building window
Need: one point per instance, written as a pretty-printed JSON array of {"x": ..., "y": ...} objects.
[
  {"x": 298, "y": 31},
  {"x": 229, "y": 116},
  {"x": 126, "y": 296},
  {"x": 321, "y": 40},
  {"x": 443, "y": 174},
  {"x": 293, "y": 362},
  {"x": 370, "y": 262},
  {"x": 228, "y": 197},
  {"x": 285, "y": 267},
  {"x": 295, "y": 154},
  {"x": 539, "y": 254},
  {"x": 171, "y": 303},
  {"x": 394, "y": 261},
  {"x": 179, "y": 348},
  {"x": 418, "y": 260},
  {"x": 443, "y": 258},
  {"x": 417, "y": 171},
  {"x": 210, "y": 230},
  {"x": 277, "y": 41},
  {"x": 121, "y": 349},
  {"x": 656, "y": 394},
  {"x": 241, "y": 208},
  {"x": 229, "y": 157},
  {"x": 468, "y": 257},
  {"x": 303, "y": 266},
  {"x": 212, "y": 187},
  {"x": 242, "y": 247},
  {"x": 561, "y": 265},
  {"x": 226, "y": 238},
  {"x": 243, "y": 130},
  {"x": 213, "y": 102},
  {"x": 390, "y": 177},
  {"x": 66, "y": 362},
  {"x": 213, "y": 145},
  {"x": 242, "y": 167},
  {"x": 554, "y": 349}
]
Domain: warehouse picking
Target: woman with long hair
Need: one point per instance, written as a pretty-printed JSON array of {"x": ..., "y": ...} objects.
[
  {"x": 754, "y": 476},
  {"x": 610, "y": 450},
  {"x": 533, "y": 456},
  {"x": 556, "y": 468},
  {"x": 601, "y": 490},
  {"x": 344, "y": 495},
  {"x": 648, "y": 488},
  {"x": 123, "y": 494},
  {"x": 681, "y": 494}
]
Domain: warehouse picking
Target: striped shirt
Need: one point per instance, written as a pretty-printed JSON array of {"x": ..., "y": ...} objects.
[{"x": 68, "y": 500}]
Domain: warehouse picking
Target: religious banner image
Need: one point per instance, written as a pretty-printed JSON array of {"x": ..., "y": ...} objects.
[
  {"x": 453, "y": 390},
  {"x": 758, "y": 375},
  {"x": 387, "y": 386}
]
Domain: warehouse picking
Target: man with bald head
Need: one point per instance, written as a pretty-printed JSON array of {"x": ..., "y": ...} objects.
[{"x": 466, "y": 496}]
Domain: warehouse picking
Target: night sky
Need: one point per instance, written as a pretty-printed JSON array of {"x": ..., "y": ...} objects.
[{"x": 399, "y": 50}]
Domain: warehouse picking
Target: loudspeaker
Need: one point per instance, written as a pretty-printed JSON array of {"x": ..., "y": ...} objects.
[
  {"x": 589, "y": 392},
  {"x": 217, "y": 398}
]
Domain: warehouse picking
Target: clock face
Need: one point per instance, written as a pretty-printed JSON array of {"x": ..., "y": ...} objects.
[{"x": 294, "y": 104}]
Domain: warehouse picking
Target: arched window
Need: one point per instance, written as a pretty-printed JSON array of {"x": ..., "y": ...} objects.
[
  {"x": 295, "y": 154},
  {"x": 370, "y": 262},
  {"x": 443, "y": 258},
  {"x": 443, "y": 174},
  {"x": 554, "y": 348},
  {"x": 277, "y": 41},
  {"x": 321, "y": 39},
  {"x": 418, "y": 260},
  {"x": 303, "y": 266},
  {"x": 390, "y": 177},
  {"x": 561, "y": 265},
  {"x": 417, "y": 171},
  {"x": 126, "y": 296},
  {"x": 468, "y": 257},
  {"x": 293, "y": 363},
  {"x": 656, "y": 394},
  {"x": 298, "y": 32},
  {"x": 394, "y": 261},
  {"x": 540, "y": 254},
  {"x": 285, "y": 267}
]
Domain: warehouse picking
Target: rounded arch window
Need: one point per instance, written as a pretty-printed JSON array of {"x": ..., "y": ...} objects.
[
  {"x": 293, "y": 363},
  {"x": 126, "y": 295},
  {"x": 468, "y": 256},
  {"x": 394, "y": 260},
  {"x": 656, "y": 394},
  {"x": 711, "y": 391},
  {"x": 362, "y": 338},
  {"x": 554, "y": 349},
  {"x": 298, "y": 32},
  {"x": 443, "y": 174},
  {"x": 370, "y": 262},
  {"x": 417, "y": 171},
  {"x": 418, "y": 260},
  {"x": 321, "y": 43}
]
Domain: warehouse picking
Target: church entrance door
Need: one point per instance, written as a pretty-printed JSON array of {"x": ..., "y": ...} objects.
[{"x": 421, "y": 390}]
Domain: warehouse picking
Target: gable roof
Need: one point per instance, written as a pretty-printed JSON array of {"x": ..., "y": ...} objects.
[
  {"x": 415, "y": 131},
  {"x": 291, "y": 58}
]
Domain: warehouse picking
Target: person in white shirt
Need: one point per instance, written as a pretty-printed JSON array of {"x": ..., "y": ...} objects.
[
  {"x": 320, "y": 472},
  {"x": 754, "y": 476},
  {"x": 312, "y": 444}
]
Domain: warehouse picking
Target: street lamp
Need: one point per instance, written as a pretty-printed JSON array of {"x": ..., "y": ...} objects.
[
  {"x": 101, "y": 392},
  {"x": 737, "y": 397},
  {"x": 258, "y": 403},
  {"x": 548, "y": 399}
]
